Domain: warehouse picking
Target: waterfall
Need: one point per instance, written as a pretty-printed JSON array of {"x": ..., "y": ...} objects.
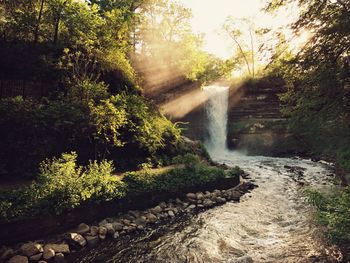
[{"x": 216, "y": 109}]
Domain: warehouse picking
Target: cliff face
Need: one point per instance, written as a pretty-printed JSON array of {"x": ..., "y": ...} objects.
[{"x": 255, "y": 123}]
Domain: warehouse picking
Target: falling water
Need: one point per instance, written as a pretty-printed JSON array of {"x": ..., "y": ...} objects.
[{"x": 216, "y": 109}]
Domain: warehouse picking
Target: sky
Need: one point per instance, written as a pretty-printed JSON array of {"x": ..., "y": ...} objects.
[{"x": 210, "y": 15}]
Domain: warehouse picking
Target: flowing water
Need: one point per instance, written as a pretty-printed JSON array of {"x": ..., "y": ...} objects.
[{"x": 270, "y": 224}]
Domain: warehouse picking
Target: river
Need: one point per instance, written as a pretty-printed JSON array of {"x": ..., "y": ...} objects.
[{"x": 273, "y": 223}]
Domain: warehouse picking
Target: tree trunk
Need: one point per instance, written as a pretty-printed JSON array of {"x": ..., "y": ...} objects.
[
  {"x": 244, "y": 56},
  {"x": 36, "y": 33},
  {"x": 252, "y": 46}
]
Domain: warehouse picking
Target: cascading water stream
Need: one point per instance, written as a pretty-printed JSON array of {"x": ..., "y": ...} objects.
[
  {"x": 271, "y": 224},
  {"x": 216, "y": 109}
]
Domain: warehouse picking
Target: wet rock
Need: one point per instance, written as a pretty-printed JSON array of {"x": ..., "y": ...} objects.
[
  {"x": 116, "y": 235},
  {"x": 48, "y": 253},
  {"x": 92, "y": 240},
  {"x": 191, "y": 196},
  {"x": 118, "y": 226},
  {"x": 94, "y": 231},
  {"x": 59, "y": 248},
  {"x": 18, "y": 259},
  {"x": 59, "y": 258},
  {"x": 7, "y": 253},
  {"x": 76, "y": 240},
  {"x": 83, "y": 229},
  {"x": 30, "y": 249},
  {"x": 36, "y": 257}
]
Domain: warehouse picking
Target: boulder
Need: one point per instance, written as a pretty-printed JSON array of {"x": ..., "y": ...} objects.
[
  {"x": 151, "y": 218},
  {"x": 30, "y": 249},
  {"x": 110, "y": 229},
  {"x": 59, "y": 258},
  {"x": 48, "y": 253},
  {"x": 18, "y": 259},
  {"x": 36, "y": 257},
  {"x": 118, "y": 226},
  {"x": 156, "y": 210},
  {"x": 7, "y": 253},
  {"x": 191, "y": 196},
  {"x": 59, "y": 248},
  {"x": 92, "y": 240},
  {"x": 76, "y": 240},
  {"x": 93, "y": 231},
  {"x": 83, "y": 229},
  {"x": 171, "y": 213}
]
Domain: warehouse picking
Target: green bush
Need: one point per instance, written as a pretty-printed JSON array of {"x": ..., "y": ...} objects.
[
  {"x": 62, "y": 185},
  {"x": 333, "y": 213}
]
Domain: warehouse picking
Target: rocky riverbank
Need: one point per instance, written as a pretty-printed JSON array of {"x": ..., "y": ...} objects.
[{"x": 130, "y": 223}]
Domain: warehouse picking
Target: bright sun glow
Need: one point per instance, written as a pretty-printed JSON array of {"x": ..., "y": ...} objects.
[{"x": 209, "y": 16}]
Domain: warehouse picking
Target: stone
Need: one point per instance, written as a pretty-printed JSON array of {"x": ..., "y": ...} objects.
[
  {"x": 178, "y": 201},
  {"x": 103, "y": 222},
  {"x": 151, "y": 218},
  {"x": 102, "y": 237},
  {"x": 118, "y": 226},
  {"x": 192, "y": 201},
  {"x": 191, "y": 207},
  {"x": 36, "y": 257},
  {"x": 140, "y": 221},
  {"x": 208, "y": 203},
  {"x": 200, "y": 196},
  {"x": 110, "y": 229},
  {"x": 59, "y": 258},
  {"x": 200, "y": 206},
  {"x": 48, "y": 253},
  {"x": 7, "y": 253},
  {"x": 135, "y": 213},
  {"x": 83, "y": 229},
  {"x": 42, "y": 261},
  {"x": 59, "y": 248},
  {"x": 162, "y": 205},
  {"x": 140, "y": 227},
  {"x": 191, "y": 196},
  {"x": 94, "y": 230},
  {"x": 18, "y": 259},
  {"x": 157, "y": 210},
  {"x": 30, "y": 249},
  {"x": 76, "y": 240},
  {"x": 116, "y": 235},
  {"x": 92, "y": 240},
  {"x": 171, "y": 213},
  {"x": 102, "y": 231}
]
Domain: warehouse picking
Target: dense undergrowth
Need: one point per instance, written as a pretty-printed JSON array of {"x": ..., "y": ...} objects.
[{"x": 62, "y": 185}]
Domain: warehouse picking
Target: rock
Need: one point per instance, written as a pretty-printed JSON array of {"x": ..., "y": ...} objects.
[
  {"x": 94, "y": 230},
  {"x": 171, "y": 213},
  {"x": 191, "y": 207},
  {"x": 76, "y": 240},
  {"x": 129, "y": 217},
  {"x": 200, "y": 206},
  {"x": 162, "y": 205},
  {"x": 7, "y": 253},
  {"x": 83, "y": 229},
  {"x": 151, "y": 218},
  {"x": 140, "y": 227},
  {"x": 191, "y": 196},
  {"x": 30, "y": 249},
  {"x": 178, "y": 201},
  {"x": 59, "y": 258},
  {"x": 135, "y": 213},
  {"x": 18, "y": 259},
  {"x": 110, "y": 229},
  {"x": 48, "y": 253},
  {"x": 102, "y": 231},
  {"x": 200, "y": 196},
  {"x": 36, "y": 257},
  {"x": 103, "y": 222},
  {"x": 156, "y": 210},
  {"x": 207, "y": 203},
  {"x": 118, "y": 226},
  {"x": 102, "y": 237},
  {"x": 42, "y": 261},
  {"x": 92, "y": 240},
  {"x": 116, "y": 235},
  {"x": 59, "y": 248},
  {"x": 140, "y": 221},
  {"x": 192, "y": 201}
]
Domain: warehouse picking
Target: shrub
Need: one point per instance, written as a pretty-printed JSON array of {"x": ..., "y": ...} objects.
[{"x": 333, "y": 213}]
